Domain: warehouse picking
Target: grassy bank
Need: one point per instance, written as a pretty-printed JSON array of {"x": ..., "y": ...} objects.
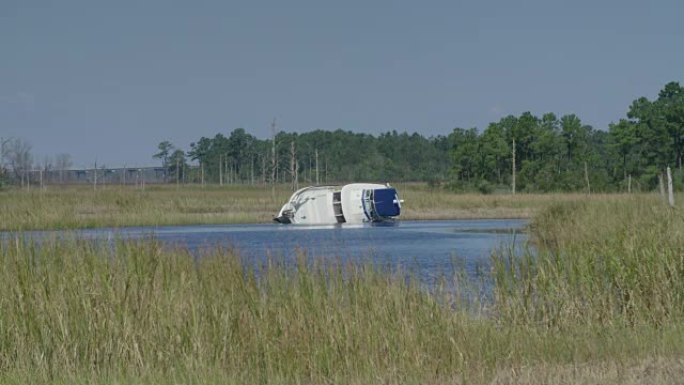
[
  {"x": 81, "y": 206},
  {"x": 600, "y": 303},
  {"x": 607, "y": 263}
]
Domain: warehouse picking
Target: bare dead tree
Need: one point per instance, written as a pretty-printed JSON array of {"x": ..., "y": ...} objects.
[
  {"x": 18, "y": 155},
  {"x": 4, "y": 143}
]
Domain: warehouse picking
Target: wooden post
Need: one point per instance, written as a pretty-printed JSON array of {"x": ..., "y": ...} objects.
[
  {"x": 202, "y": 173},
  {"x": 95, "y": 176},
  {"x": 629, "y": 184},
  {"x": 513, "y": 168},
  {"x": 670, "y": 192},
  {"x": 123, "y": 179}
]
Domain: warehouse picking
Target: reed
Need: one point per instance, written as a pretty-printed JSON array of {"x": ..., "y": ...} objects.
[
  {"x": 76, "y": 311},
  {"x": 598, "y": 263}
]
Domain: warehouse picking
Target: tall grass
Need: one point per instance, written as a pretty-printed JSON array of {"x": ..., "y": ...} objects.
[
  {"x": 598, "y": 263},
  {"x": 133, "y": 312},
  {"x": 75, "y": 308}
]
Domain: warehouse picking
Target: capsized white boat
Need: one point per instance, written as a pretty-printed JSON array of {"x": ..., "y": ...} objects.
[{"x": 351, "y": 203}]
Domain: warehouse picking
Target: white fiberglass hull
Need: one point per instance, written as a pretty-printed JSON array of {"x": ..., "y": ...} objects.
[{"x": 352, "y": 203}]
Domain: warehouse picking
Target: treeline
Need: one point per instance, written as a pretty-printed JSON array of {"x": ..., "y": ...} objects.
[
  {"x": 312, "y": 157},
  {"x": 533, "y": 153},
  {"x": 563, "y": 154}
]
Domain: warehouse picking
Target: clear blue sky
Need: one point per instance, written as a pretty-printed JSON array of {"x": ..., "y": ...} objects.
[{"x": 110, "y": 80}]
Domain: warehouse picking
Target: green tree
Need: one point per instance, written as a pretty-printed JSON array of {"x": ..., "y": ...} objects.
[
  {"x": 165, "y": 148},
  {"x": 670, "y": 104},
  {"x": 496, "y": 154},
  {"x": 177, "y": 165},
  {"x": 623, "y": 141},
  {"x": 466, "y": 155}
]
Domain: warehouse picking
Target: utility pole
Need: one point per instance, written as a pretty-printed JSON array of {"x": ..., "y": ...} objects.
[
  {"x": 220, "y": 170},
  {"x": 293, "y": 166},
  {"x": 95, "y": 177},
  {"x": 251, "y": 169},
  {"x": 318, "y": 182},
  {"x": 513, "y": 167},
  {"x": 274, "y": 161},
  {"x": 231, "y": 174},
  {"x": 177, "y": 173},
  {"x": 586, "y": 177}
]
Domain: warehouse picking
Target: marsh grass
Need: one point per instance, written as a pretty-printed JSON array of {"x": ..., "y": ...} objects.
[
  {"x": 74, "y": 311},
  {"x": 600, "y": 300},
  {"x": 425, "y": 202},
  {"x": 72, "y": 207},
  {"x": 112, "y": 206},
  {"x": 598, "y": 263}
]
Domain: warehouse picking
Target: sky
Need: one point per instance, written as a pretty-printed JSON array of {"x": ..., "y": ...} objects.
[{"x": 107, "y": 81}]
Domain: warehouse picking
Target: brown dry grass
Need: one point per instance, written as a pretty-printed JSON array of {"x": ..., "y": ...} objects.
[
  {"x": 113, "y": 206},
  {"x": 652, "y": 370}
]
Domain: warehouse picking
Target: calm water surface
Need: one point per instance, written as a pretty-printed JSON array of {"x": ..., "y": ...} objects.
[{"x": 425, "y": 248}]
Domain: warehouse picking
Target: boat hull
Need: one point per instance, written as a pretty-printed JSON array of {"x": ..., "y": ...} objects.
[{"x": 352, "y": 203}]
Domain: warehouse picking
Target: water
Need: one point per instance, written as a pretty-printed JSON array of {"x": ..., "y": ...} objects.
[{"x": 426, "y": 249}]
